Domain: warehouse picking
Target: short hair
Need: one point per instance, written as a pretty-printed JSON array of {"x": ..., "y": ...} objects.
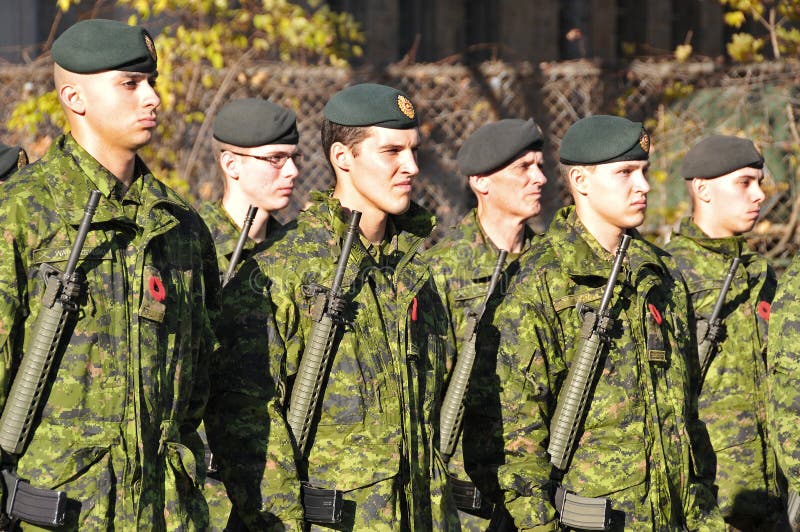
[
  {"x": 564, "y": 172},
  {"x": 350, "y": 136}
]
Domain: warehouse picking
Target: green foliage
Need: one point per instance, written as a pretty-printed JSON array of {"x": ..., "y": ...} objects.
[
  {"x": 777, "y": 19},
  {"x": 202, "y": 40}
]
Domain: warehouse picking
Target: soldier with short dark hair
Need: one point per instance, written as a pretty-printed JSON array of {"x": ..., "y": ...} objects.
[
  {"x": 116, "y": 428},
  {"x": 368, "y": 459},
  {"x": 635, "y": 456},
  {"x": 503, "y": 162},
  {"x": 723, "y": 175}
]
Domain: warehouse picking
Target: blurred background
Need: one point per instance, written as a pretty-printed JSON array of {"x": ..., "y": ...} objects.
[{"x": 686, "y": 68}]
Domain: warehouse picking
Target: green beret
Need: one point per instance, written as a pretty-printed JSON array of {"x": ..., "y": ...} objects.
[
  {"x": 255, "y": 122},
  {"x": 11, "y": 160},
  {"x": 604, "y": 139},
  {"x": 98, "y": 45},
  {"x": 369, "y": 104},
  {"x": 719, "y": 155},
  {"x": 494, "y": 145}
]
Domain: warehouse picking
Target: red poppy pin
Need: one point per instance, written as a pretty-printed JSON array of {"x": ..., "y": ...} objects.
[
  {"x": 763, "y": 309},
  {"x": 655, "y": 313},
  {"x": 157, "y": 289},
  {"x": 414, "y": 305}
]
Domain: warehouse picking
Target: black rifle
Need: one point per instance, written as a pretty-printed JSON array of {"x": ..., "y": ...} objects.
[
  {"x": 575, "y": 511},
  {"x": 713, "y": 334},
  {"x": 237, "y": 251},
  {"x": 60, "y": 300}
]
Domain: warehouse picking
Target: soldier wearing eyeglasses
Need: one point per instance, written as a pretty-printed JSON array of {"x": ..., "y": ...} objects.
[{"x": 255, "y": 143}]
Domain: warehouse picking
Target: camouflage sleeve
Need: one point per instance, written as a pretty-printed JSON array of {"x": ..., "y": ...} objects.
[
  {"x": 783, "y": 367},
  {"x": 205, "y": 300},
  {"x": 525, "y": 477},
  {"x": 244, "y": 421}
]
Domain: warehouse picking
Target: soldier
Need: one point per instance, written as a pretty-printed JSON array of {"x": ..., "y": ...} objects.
[
  {"x": 117, "y": 426},
  {"x": 373, "y": 436},
  {"x": 503, "y": 161},
  {"x": 724, "y": 180},
  {"x": 11, "y": 160},
  {"x": 256, "y": 146},
  {"x": 636, "y": 457}
]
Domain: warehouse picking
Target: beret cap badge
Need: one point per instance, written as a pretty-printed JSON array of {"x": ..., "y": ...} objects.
[
  {"x": 644, "y": 141},
  {"x": 405, "y": 106},
  {"x": 151, "y": 47}
]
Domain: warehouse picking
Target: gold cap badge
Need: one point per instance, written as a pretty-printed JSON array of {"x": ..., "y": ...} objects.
[
  {"x": 405, "y": 105},
  {"x": 644, "y": 141},
  {"x": 151, "y": 47},
  {"x": 22, "y": 159}
]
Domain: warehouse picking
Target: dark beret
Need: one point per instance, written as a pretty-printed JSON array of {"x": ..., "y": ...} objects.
[
  {"x": 494, "y": 145},
  {"x": 12, "y": 158},
  {"x": 98, "y": 45},
  {"x": 369, "y": 104},
  {"x": 255, "y": 122},
  {"x": 718, "y": 155},
  {"x": 603, "y": 139}
]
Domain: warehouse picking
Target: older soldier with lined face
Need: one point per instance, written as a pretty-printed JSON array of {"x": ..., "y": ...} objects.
[
  {"x": 638, "y": 448},
  {"x": 117, "y": 426},
  {"x": 723, "y": 175},
  {"x": 503, "y": 161},
  {"x": 372, "y": 436}
]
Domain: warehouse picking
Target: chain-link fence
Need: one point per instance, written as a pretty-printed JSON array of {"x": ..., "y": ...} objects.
[{"x": 679, "y": 102}]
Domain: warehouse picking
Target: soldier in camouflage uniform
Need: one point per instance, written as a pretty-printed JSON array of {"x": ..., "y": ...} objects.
[
  {"x": 11, "y": 160},
  {"x": 641, "y": 445},
  {"x": 256, "y": 146},
  {"x": 374, "y": 435},
  {"x": 117, "y": 429},
  {"x": 503, "y": 161},
  {"x": 723, "y": 176}
]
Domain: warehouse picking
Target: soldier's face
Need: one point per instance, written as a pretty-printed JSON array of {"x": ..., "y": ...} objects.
[
  {"x": 734, "y": 201},
  {"x": 614, "y": 194},
  {"x": 120, "y": 108},
  {"x": 383, "y": 168},
  {"x": 515, "y": 191},
  {"x": 260, "y": 181}
]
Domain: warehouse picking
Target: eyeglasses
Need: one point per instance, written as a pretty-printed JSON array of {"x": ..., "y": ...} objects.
[{"x": 277, "y": 160}]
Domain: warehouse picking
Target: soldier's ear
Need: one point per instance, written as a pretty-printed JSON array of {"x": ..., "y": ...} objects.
[
  {"x": 479, "y": 184},
  {"x": 341, "y": 156},
  {"x": 229, "y": 164},
  {"x": 72, "y": 98},
  {"x": 701, "y": 190},
  {"x": 578, "y": 180}
]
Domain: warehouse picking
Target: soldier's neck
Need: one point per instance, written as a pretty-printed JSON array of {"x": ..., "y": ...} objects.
[
  {"x": 119, "y": 161},
  {"x": 606, "y": 233},
  {"x": 504, "y": 231},
  {"x": 237, "y": 211}
]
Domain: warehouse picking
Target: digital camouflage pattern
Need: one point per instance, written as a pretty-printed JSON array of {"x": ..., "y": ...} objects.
[
  {"x": 375, "y": 435},
  {"x": 732, "y": 401},
  {"x": 462, "y": 263},
  {"x": 226, "y": 233},
  {"x": 635, "y": 444},
  {"x": 118, "y": 428},
  {"x": 783, "y": 367}
]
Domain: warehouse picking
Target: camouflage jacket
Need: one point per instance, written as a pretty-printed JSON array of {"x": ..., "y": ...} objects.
[
  {"x": 226, "y": 233},
  {"x": 374, "y": 436},
  {"x": 732, "y": 402},
  {"x": 118, "y": 428},
  {"x": 634, "y": 447},
  {"x": 463, "y": 262},
  {"x": 783, "y": 367}
]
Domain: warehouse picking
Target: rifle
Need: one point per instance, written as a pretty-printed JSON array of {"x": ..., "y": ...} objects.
[
  {"x": 237, "y": 251},
  {"x": 60, "y": 301},
  {"x": 793, "y": 510},
  {"x": 576, "y": 511},
  {"x": 708, "y": 345},
  {"x": 311, "y": 373},
  {"x": 452, "y": 413}
]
